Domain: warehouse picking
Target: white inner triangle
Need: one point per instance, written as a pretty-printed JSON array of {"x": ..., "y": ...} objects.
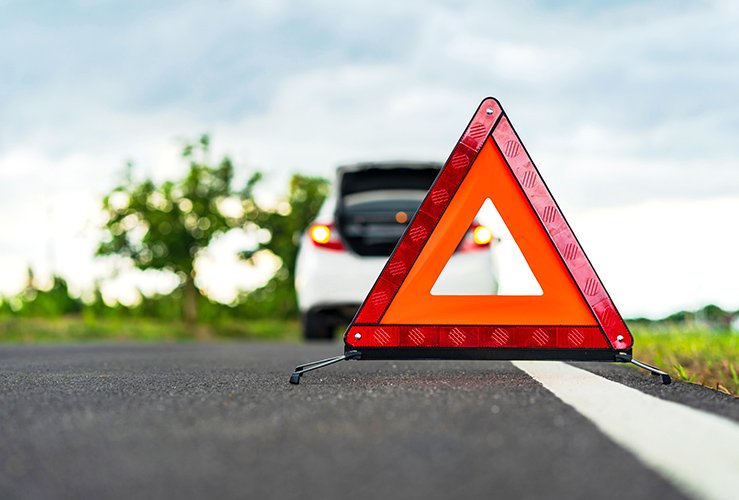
[{"x": 499, "y": 269}]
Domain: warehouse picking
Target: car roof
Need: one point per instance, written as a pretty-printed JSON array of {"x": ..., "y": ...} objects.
[
  {"x": 358, "y": 167},
  {"x": 376, "y": 175}
]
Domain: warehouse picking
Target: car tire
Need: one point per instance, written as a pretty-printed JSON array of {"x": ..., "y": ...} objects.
[{"x": 317, "y": 326}]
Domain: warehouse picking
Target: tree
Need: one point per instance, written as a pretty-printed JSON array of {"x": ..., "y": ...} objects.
[
  {"x": 165, "y": 226},
  {"x": 285, "y": 224}
]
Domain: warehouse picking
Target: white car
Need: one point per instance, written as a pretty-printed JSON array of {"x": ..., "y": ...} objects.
[{"x": 343, "y": 251}]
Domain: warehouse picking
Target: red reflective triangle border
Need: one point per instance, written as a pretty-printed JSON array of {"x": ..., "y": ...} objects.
[{"x": 488, "y": 121}]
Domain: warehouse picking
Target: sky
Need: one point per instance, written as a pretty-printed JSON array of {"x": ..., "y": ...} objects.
[{"x": 629, "y": 109}]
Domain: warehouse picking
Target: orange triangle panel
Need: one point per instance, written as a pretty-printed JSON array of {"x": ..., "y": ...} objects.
[{"x": 574, "y": 317}]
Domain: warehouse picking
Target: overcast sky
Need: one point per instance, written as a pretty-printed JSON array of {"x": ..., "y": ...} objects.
[{"x": 629, "y": 109}]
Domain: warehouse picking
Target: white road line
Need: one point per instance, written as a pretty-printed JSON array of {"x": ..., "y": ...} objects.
[{"x": 697, "y": 451}]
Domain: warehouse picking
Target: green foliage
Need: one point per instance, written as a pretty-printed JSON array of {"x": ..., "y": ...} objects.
[
  {"x": 53, "y": 302},
  {"x": 680, "y": 369},
  {"x": 285, "y": 224},
  {"x": 165, "y": 226},
  {"x": 291, "y": 218},
  {"x": 709, "y": 317}
]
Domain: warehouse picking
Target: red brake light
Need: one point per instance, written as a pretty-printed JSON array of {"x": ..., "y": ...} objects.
[
  {"x": 482, "y": 236},
  {"x": 325, "y": 236},
  {"x": 478, "y": 237}
]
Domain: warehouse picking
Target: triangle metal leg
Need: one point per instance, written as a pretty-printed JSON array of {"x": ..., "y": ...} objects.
[
  {"x": 315, "y": 365},
  {"x": 627, "y": 358}
]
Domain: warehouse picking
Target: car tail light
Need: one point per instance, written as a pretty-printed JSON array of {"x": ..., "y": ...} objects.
[
  {"x": 478, "y": 237},
  {"x": 325, "y": 236},
  {"x": 482, "y": 236}
]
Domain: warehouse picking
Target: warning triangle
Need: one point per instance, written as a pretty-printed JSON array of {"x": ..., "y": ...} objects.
[{"x": 573, "y": 317}]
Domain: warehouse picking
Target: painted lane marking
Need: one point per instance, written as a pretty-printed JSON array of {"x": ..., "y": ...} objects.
[{"x": 695, "y": 450}]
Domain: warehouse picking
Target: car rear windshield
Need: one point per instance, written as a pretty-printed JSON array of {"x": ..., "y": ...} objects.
[{"x": 376, "y": 205}]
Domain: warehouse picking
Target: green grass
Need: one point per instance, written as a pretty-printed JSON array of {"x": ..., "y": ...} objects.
[
  {"x": 700, "y": 356},
  {"x": 77, "y": 329}
]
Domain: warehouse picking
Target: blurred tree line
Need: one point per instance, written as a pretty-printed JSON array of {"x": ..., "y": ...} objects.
[{"x": 166, "y": 226}]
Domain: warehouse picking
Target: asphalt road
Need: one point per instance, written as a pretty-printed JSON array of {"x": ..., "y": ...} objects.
[{"x": 221, "y": 421}]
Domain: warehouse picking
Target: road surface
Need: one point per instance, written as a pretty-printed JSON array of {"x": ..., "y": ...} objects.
[{"x": 219, "y": 420}]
